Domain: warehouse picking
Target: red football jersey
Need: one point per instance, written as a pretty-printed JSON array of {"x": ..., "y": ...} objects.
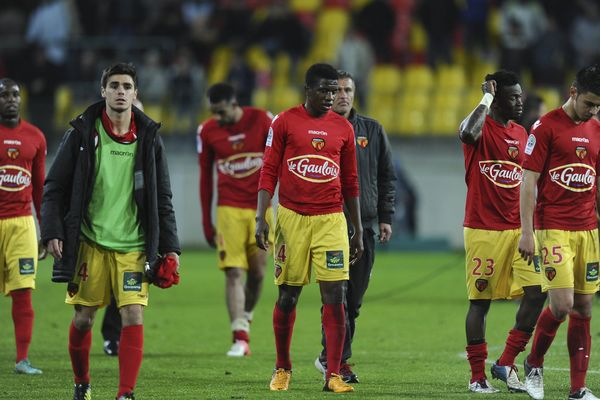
[
  {"x": 566, "y": 156},
  {"x": 237, "y": 151},
  {"x": 22, "y": 169},
  {"x": 493, "y": 175},
  {"x": 314, "y": 160}
]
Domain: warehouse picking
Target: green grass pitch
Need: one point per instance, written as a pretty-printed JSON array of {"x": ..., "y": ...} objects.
[{"x": 410, "y": 339}]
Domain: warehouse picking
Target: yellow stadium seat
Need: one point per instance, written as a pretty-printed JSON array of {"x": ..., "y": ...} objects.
[
  {"x": 411, "y": 122},
  {"x": 444, "y": 122},
  {"x": 417, "y": 38},
  {"x": 284, "y": 98},
  {"x": 258, "y": 59},
  {"x": 414, "y": 100},
  {"x": 385, "y": 79},
  {"x": 305, "y": 5},
  {"x": 63, "y": 101},
  {"x": 450, "y": 77},
  {"x": 219, "y": 67},
  {"x": 471, "y": 99},
  {"x": 260, "y": 98},
  {"x": 552, "y": 97},
  {"x": 418, "y": 77}
]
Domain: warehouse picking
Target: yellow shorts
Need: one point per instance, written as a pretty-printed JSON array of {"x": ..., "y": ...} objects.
[
  {"x": 494, "y": 267},
  {"x": 100, "y": 270},
  {"x": 235, "y": 235},
  {"x": 569, "y": 259},
  {"x": 18, "y": 254},
  {"x": 303, "y": 242}
]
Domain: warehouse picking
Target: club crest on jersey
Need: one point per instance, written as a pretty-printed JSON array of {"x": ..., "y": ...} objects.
[
  {"x": 313, "y": 168},
  {"x": 318, "y": 143},
  {"x": 237, "y": 141},
  {"x": 550, "y": 273},
  {"x": 505, "y": 174},
  {"x": 513, "y": 152},
  {"x": 14, "y": 178},
  {"x": 581, "y": 152},
  {"x": 240, "y": 165},
  {"x": 12, "y": 153},
  {"x": 362, "y": 141},
  {"x": 481, "y": 284},
  {"x": 576, "y": 177}
]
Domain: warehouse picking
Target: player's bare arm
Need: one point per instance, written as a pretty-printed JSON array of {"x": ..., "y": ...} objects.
[
  {"x": 262, "y": 228},
  {"x": 356, "y": 243},
  {"x": 471, "y": 127},
  {"x": 527, "y": 242}
]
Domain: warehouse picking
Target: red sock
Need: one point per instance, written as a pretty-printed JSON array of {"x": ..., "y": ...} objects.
[
  {"x": 334, "y": 324},
  {"x": 241, "y": 335},
  {"x": 515, "y": 343},
  {"x": 477, "y": 354},
  {"x": 283, "y": 325},
  {"x": 131, "y": 347},
  {"x": 579, "y": 343},
  {"x": 22, "y": 315},
  {"x": 80, "y": 343},
  {"x": 545, "y": 330}
]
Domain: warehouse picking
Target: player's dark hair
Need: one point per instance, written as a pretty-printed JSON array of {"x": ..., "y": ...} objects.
[
  {"x": 503, "y": 79},
  {"x": 588, "y": 80},
  {"x": 8, "y": 82},
  {"x": 120, "y": 68},
  {"x": 344, "y": 74},
  {"x": 320, "y": 71},
  {"x": 220, "y": 92}
]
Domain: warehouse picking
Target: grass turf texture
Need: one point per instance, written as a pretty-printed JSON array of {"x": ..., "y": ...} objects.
[{"x": 409, "y": 344}]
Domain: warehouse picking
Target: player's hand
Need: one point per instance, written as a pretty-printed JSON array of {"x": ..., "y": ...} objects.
[
  {"x": 385, "y": 232},
  {"x": 262, "y": 234},
  {"x": 42, "y": 252},
  {"x": 356, "y": 248},
  {"x": 527, "y": 247},
  {"x": 489, "y": 87},
  {"x": 210, "y": 235},
  {"x": 174, "y": 256},
  {"x": 55, "y": 248}
]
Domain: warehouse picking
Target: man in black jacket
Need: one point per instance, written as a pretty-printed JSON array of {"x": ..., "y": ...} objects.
[
  {"x": 377, "y": 192},
  {"x": 107, "y": 216}
]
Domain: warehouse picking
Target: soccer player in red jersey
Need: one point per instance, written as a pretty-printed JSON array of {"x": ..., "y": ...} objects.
[
  {"x": 493, "y": 147},
  {"x": 107, "y": 216},
  {"x": 311, "y": 153},
  {"x": 562, "y": 162},
  {"x": 234, "y": 140},
  {"x": 22, "y": 172}
]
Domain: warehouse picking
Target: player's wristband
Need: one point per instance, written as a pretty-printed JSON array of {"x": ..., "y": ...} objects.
[{"x": 487, "y": 99}]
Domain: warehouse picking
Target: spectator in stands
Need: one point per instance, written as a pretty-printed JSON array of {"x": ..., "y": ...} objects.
[
  {"x": 440, "y": 20},
  {"x": 521, "y": 24},
  {"x": 533, "y": 108},
  {"x": 585, "y": 34},
  {"x": 377, "y": 21},
  {"x": 186, "y": 82},
  {"x": 153, "y": 77},
  {"x": 550, "y": 56},
  {"x": 356, "y": 54}
]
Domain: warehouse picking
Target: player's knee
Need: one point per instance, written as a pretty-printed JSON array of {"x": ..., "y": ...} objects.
[
  {"x": 479, "y": 307},
  {"x": 84, "y": 321},
  {"x": 131, "y": 314},
  {"x": 534, "y": 296},
  {"x": 287, "y": 303},
  {"x": 233, "y": 275},
  {"x": 560, "y": 310}
]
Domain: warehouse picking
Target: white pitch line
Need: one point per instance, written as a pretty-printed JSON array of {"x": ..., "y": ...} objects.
[{"x": 463, "y": 355}]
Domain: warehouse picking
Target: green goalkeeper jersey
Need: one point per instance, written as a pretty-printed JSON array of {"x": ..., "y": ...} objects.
[{"x": 112, "y": 215}]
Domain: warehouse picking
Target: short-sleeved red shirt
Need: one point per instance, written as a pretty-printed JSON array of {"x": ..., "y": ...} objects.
[
  {"x": 566, "y": 156},
  {"x": 22, "y": 169},
  {"x": 314, "y": 160},
  {"x": 493, "y": 175}
]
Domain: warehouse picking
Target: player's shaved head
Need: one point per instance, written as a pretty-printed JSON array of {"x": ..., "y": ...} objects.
[
  {"x": 316, "y": 72},
  {"x": 6, "y": 82}
]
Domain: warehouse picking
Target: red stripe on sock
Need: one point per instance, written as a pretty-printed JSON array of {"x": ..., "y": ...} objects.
[
  {"x": 545, "y": 330},
  {"x": 22, "y": 315},
  {"x": 131, "y": 348},
  {"x": 515, "y": 343},
  {"x": 241, "y": 335},
  {"x": 80, "y": 343},
  {"x": 477, "y": 354},
  {"x": 579, "y": 343},
  {"x": 283, "y": 325},
  {"x": 334, "y": 324}
]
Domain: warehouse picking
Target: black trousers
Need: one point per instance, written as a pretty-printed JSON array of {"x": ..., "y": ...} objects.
[
  {"x": 111, "y": 324},
  {"x": 357, "y": 285}
]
